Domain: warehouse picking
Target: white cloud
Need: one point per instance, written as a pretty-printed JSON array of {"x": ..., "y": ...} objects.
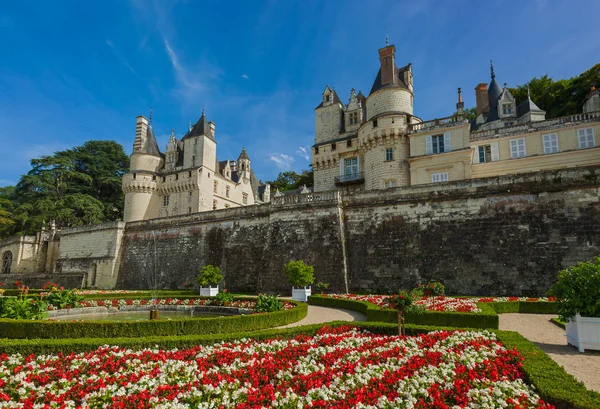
[
  {"x": 120, "y": 57},
  {"x": 304, "y": 152},
  {"x": 281, "y": 160},
  {"x": 245, "y": 76}
]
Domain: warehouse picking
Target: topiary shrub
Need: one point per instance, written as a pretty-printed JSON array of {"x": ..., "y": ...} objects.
[
  {"x": 299, "y": 274},
  {"x": 577, "y": 290},
  {"x": 209, "y": 275}
]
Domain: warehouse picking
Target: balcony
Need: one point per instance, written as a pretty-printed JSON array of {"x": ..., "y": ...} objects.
[{"x": 350, "y": 179}]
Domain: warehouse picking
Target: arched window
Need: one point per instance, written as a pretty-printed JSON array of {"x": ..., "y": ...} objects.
[{"x": 7, "y": 262}]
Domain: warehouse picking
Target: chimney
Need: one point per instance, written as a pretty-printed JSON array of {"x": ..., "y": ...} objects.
[
  {"x": 212, "y": 128},
  {"x": 481, "y": 97},
  {"x": 141, "y": 133},
  {"x": 460, "y": 105},
  {"x": 388, "y": 65}
]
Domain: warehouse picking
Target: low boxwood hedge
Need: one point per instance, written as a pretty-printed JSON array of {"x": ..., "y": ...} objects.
[
  {"x": 113, "y": 329},
  {"x": 551, "y": 381},
  {"x": 524, "y": 307},
  {"x": 487, "y": 318}
]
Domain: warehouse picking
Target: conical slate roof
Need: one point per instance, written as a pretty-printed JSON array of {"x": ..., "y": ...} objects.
[
  {"x": 148, "y": 145},
  {"x": 243, "y": 155},
  {"x": 201, "y": 127}
]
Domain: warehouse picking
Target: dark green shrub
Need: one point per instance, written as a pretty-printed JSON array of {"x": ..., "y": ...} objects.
[
  {"x": 223, "y": 298},
  {"x": 299, "y": 274},
  {"x": 577, "y": 290},
  {"x": 268, "y": 303},
  {"x": 209, "y": 275}
]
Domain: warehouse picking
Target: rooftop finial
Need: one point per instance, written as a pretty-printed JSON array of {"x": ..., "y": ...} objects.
[
  {"x": 189, "y": 126},
  {"x": 203, "y": 111},
  {"x": 528, "y": 93},
  {"x": 387, "y": 37},
  {"x": 172, "y": 133},
  {"x": 460, "y": 95},
  {"x": 150, "y": 120},
  {"x": 492, "y": 69}
]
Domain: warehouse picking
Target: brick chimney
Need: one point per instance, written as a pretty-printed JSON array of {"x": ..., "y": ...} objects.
[
  {"x": 388, "y": 65},
  {"x": 481, "y": 97}
]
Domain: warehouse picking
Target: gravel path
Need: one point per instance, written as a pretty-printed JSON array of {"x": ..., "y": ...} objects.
[
  {"x": 552, "y": 340},
  {"x": 318, "y": 315}
]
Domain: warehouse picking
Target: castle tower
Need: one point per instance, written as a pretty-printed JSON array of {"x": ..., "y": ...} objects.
[
  {"x": 329, "y": 116},
  {"x": 243, "y": 165},
  {"x": 382, "y": 138},
  {"x": 200, "y": 148},
  {"x": 139, "y": 184}
]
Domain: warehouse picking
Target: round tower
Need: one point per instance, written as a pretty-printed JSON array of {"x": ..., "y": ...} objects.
[
  {"x": 139, "y": 184},
  {"x": 382, "y": 138}
]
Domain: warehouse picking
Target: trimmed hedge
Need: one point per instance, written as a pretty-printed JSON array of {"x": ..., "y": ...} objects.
[
  {"x": 524, "y": 307},
  {"x": 112, "y": 329},
  {"x": 551, "y": 381},
  {"x": 553, "y": 384},
  {"x": 485, "y": 319}
]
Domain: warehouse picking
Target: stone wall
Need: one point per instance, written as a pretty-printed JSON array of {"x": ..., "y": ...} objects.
[{"x": 504, "y": 236}]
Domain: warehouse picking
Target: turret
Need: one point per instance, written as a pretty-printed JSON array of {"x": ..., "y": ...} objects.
[
  {"x": 139, "y": 184},
  {"x": 243, "y": 165},
  {"x": 329, "y": 116},
  {"x": 200, "y": 148}
]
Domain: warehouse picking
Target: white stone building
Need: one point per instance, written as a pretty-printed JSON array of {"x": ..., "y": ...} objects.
[{"x": 187, "y": 178}]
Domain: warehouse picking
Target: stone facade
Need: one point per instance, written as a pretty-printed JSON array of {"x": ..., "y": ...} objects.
[
  {"x": 186, "y": 179},
  {"x": 397, "y": 149}
]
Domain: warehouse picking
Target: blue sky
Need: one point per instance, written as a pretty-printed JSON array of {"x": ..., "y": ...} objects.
[{"x": 76, "y": 70}]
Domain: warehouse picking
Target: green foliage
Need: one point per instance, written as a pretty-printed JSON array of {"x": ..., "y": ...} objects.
[
  {"x": 299, "y": 274},
  {"x": 223, "y": 298},
  {"x": 60, "y": 298},
  {"x": 577, "y": 290},
  {"x": 433, "y": 289},
  {"x": 290, "y": 180},
  {"x": 268, "y": 303},
  {"x": 183, "y": 326},
  {"x": 22, "y": 307},
  {"x": 72, "y": 187},
  {"x": 321, "y": 286},
  {"x": 209, "y": 275}
]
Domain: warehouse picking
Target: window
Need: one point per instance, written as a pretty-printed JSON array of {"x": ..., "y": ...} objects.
[
  {"x": 351, "y": 166},
  {"x": 374, "y": 123},
  {"x": 227, "y": 191},
  {"x": 134, "y": 176},
  {"x": 507, "y": 109},
  {"x": 333, "y": 146},
  {"x": 438, "y": 143},
  {"x": 389, "y": 154},
  {"x": 387, "y": 184},
  {"x": 485, "y": 153},
  {"x": 245, "y": 198},
  {"x": 353, "y": 118},
  {"x": 7, "y": 259},
  {"x": 153, "y": 178},
  {"x": 177, "y": 176},
  {"x": 164, "y": 179},
  {"x": 550, "y": 143},
  {"x": 316, "y": 150},
  {"x": 507, "y": 124},
  {"x": 193, "y": 160},
  {"x": 439, "y": 177},
  {"x": 517, "y": 148},
  {"x": 586, "y": 138},
  {"x": 190, "y": 174},
  {"x": 189, "y": 210},
  {"x": 190, "y": 193},
  {"x": 349, "y": 143},
  {"x": 165, "y": 200},
  {"x": 215, "y": 186},
  {"x": 214, "y": 205}
]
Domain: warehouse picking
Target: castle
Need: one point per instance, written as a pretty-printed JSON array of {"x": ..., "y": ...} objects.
[
  {"x": 187, "y": 178},
  {"x": 376, "y": 142},
  {"x": 491, "y": 206}
]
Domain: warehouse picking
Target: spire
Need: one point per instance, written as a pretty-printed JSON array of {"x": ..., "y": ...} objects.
[
  {"x": 528, "y": 93},
  {"x": 492, "y": 69},
  {"x": 243, "y": 154},
  {"x": 387, "y": 37},
  {"x": 150, "y": 120}
]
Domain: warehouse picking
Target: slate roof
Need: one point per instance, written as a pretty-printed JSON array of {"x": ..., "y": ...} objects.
[
  {"x": 335, "y": 99},
  {"x": 150, "y": 147},
  {"x": 201, "y": 128},
  {"x": 399, "y": 77},
  {"x": 527, "y": 106}
]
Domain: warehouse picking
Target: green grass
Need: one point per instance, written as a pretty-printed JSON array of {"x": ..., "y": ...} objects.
[{"x": 558, "y": 322}]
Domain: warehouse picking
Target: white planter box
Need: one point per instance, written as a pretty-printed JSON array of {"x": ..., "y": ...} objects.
[
  {"x": 209, "y": 291},
  {"x": 300, "y": 294},
  {"x": 584, "y": 333}
]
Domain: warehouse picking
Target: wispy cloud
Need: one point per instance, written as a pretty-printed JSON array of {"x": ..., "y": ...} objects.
[
  {"x": 304, "y": 152},
  {"x": 281, "y": 160},
  {"x": 245, "y": 76},
  {"x": 122, "y": 59}
]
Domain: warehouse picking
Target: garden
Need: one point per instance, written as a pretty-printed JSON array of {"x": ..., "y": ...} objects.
[{"x": 418, "y": 349}]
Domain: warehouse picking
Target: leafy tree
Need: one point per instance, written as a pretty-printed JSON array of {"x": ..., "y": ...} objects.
[
  {"x": 290, "y": 180},
  {"x": 6, "y": 218},
  {"x": 471, "y": 113}
]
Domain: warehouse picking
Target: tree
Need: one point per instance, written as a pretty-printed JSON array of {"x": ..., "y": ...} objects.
[
  {"x": 6, "y": 218},
  {"x": 290, "y": 180}
]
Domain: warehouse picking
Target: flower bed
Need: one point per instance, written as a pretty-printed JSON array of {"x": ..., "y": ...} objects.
[
  {"x": 441, "y": 303},
  {"x": 170, "y": 301},
  {"x": 335, "y": 368}
]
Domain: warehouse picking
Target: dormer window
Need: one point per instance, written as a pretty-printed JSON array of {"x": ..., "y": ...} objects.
[
  {"x": 507, "y": 109},
  {"x": 353, "y": 118}
]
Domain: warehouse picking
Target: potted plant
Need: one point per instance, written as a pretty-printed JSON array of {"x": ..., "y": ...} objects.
[
  {"x": 321, "y": 286},
  {"x": 209, "y": 276},
  {"x": 577, "y": 291},
  {"x": 300, "y": 276}
]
